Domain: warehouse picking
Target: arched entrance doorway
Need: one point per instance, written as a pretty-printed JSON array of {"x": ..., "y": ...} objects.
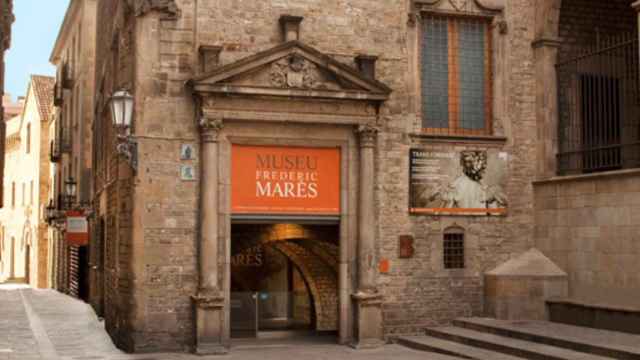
[{"x": 284, "y": 280}]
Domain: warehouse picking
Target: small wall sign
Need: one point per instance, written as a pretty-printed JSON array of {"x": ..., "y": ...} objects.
[
  {"x": 186, "y": 152},
  {"x": 187, "y": 173},
  {"x": 384, "y": 266}
]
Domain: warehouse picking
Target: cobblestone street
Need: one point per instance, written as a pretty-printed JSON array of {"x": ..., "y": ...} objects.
[{"x": 47, "y": 325}]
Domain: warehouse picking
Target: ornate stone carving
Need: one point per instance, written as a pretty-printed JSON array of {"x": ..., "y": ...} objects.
[
  {"x": 168, "y": 7},
  {"x": 210, "y": 128},
  {"x": 458, "y": 4},
  {"x": 209, "y": 300},
  {"x": 495, "y": 5},
  {"x": 296, "y": 72},
  {"x": 463, "y": 5},
  {"x": 368, "y": 135}
]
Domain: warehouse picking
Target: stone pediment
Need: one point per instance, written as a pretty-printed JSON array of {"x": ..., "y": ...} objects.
[{"x": 291, "y": 70}]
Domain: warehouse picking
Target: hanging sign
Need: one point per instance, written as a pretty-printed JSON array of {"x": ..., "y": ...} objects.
[
  {"x": 77, "y": 233},
  {"x": 285, "y": 180}
]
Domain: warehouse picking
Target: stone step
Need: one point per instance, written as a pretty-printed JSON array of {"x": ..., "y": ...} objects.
[
  {"x": 506, "y": 345},
  {"x": 440, "y": 346},
  {"x": 593, "y": 341}
]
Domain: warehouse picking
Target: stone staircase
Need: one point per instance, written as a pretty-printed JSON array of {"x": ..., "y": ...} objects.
[{"x": 490, "y": 339}]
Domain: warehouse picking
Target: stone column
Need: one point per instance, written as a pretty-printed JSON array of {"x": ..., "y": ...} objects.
[
  {"x": 368, "y": 301},
  {"x": 209, "y": 302},
  {"x": 545, "y": 52}
]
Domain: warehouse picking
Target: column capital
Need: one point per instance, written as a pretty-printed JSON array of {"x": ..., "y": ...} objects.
[
  {"x": 210, "y": 128},
  {"x": 636, "y": 5},
  {"x": 368, "y": 134}
]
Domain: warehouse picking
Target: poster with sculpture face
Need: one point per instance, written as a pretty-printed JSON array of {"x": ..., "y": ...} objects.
[{"x": 468, "y": 182}]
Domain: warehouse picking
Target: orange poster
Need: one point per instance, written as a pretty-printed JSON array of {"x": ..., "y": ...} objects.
[{"x": 285, "y": 180}]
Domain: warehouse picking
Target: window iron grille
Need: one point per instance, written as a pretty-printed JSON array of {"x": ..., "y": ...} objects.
[
  {"x": 454, "y": 251},
  {"x": 599, "y": 108}
]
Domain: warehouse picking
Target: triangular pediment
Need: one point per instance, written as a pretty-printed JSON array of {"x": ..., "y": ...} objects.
[{"x": 291, "y": 69}]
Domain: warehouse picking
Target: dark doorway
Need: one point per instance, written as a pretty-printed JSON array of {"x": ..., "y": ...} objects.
[
  {"x": 83, "y": 273},
  {"x": 283, "y": 280}
]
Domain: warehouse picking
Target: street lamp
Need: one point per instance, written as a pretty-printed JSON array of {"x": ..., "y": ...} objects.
[
  {"x": 122, "y": 109},
  {"x": 121, "y": 104},
  {"x": 70, "y": 186}
]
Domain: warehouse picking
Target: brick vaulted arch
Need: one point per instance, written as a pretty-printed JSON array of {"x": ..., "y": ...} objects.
[{"x": 321, "y": 279}]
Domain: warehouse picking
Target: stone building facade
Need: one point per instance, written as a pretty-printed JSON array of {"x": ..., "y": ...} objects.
[
  {"x": 71, "y": 130},
  {"x": 25, "y": 249},
  {"x": 6, "y": 20},
  {"x": 444, "y": 117}
]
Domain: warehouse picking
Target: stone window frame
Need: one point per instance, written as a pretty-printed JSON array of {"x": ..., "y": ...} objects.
[{"x": 497, "y": 29}]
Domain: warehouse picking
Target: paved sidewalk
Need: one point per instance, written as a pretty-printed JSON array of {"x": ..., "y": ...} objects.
[{"x": 47, "y": 325}]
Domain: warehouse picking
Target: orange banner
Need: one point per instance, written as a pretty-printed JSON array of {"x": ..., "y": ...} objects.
[{"x": 285, "y": 180}]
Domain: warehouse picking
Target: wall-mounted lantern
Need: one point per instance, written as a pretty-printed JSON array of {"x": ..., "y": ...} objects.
[
  {"x": 71, "y": 189},
  {"x": 121, "y": 104}
]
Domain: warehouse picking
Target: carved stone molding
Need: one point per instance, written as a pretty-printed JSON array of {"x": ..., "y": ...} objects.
[
  {"x": 209, "y": 300},
  {"x": 210, "y": 128},
  {"x": 168, "y": 7},
  {"x": 368, "y": 298},
  {"x": 368, "y": 135}
]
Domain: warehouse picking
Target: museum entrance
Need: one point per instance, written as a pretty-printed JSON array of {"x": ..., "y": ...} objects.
[{"x": 284, "y": 280}]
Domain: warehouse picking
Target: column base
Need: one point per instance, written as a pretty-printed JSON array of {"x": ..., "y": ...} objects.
[
  {"x": 369, "y": 331},
  {"x": 211, "y": 349},
  {"x": 209, "y": 307}
]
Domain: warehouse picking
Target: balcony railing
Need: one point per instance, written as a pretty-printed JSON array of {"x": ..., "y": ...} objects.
[{"x": 599, "y": 108}]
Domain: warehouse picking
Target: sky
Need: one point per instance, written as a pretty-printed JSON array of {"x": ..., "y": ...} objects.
[{"x": 32, "y": 37}]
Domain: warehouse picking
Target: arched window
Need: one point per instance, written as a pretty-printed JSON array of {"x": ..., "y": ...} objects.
[{"x": 453, "y": 248}]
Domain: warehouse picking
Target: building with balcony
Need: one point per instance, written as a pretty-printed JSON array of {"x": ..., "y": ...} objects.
[
  {"x": 23, "y": 230},
  {"x": 71, "y": 130}
]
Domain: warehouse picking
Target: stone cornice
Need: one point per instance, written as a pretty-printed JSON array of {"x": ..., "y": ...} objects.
[{"x": 168, "y": 7}]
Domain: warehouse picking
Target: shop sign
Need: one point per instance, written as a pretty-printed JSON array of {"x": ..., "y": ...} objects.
[
  {"x": 285, "y": 180},
  {"x": 77, "y": 232},
  {"x": 470, "y": 182}
]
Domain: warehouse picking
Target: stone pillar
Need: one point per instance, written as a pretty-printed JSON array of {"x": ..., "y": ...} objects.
[
  {"x": 209, "y": 302},
  {"x": 545, "y": 52},
  {"x": 368, "y": 300}
]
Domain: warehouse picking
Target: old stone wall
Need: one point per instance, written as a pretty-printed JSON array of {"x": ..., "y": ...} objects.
[
  {"x": 419, "y": 291},
  {"x": 112, "y": 177},
  {"x": 588, "y": 226},
  {"x": 584, "y": 22}
]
